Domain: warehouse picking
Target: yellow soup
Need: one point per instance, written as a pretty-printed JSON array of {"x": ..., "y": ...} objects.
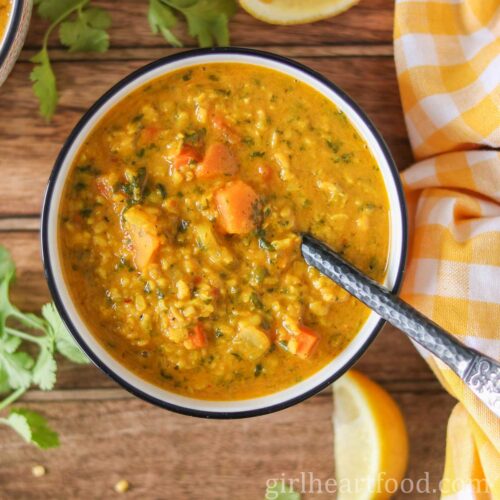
[
  {"x": 5, "y": 7},
  {"x": 180, "y": 223}
]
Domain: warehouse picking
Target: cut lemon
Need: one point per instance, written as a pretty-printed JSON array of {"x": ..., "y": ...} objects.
[
  {"x": 371, "y": 442},
  {"x": 295, "y": 11}
]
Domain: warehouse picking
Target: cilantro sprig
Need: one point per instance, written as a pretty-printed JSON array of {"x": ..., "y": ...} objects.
[
  {"x": 207, "y": 20},
  {"x": 19, "y": 368},
  {"x": 82, "y": 28}
]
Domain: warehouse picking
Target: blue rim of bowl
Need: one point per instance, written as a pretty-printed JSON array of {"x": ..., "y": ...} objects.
[
  {"x": 52, "y": 282},
  {"x": 8, "y": 38}
]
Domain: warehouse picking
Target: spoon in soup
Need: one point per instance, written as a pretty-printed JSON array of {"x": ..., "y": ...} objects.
[{"x": 479, "y": 372}]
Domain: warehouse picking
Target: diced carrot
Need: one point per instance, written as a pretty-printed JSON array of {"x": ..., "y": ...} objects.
[
  {"x": 307, "y": 340},
  {"x": 142, "y": 231},
  {"x": 218, "y": 160},
  {"x": 237, "y": 204},
  {"x": 220, "y": 124},
  {"x": 186, "y": 155},
  {"x": 150, "y": 133},
  {"x": 265, "y": 171},
  {"x": 198, "y": 337},
  {"x": 104, "y": 186}
]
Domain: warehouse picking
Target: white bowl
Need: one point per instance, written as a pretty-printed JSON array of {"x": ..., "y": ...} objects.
[
  {"x": 76, "y": 324},
  {"x": 12, "y": 40}
]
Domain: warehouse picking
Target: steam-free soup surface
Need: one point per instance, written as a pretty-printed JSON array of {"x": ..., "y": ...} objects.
[{"x": 179, "y": 230}]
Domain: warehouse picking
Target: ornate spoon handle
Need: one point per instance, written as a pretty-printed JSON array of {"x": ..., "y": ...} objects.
[{"x": 479, "y": 372}]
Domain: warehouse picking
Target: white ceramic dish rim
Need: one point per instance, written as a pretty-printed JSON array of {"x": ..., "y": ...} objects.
[
  {"x": 68, "y": 311},
  {"x": 9, "y": 35}
]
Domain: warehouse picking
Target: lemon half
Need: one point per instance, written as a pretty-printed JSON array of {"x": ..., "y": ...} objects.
[
  {"x": 370, "y": 439},
  {"x": 295, "y": 11}
]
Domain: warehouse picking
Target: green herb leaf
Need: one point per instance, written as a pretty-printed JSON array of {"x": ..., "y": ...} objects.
[
  {"x": 162, "y": 19},
  {"x": 52, "y": 10},
  {"x": 281, "y": 491},
  {"x": 7, "y": 266},
  {"x": 81, "y": 28},
  {"x": 44, "y": 84},
  {"x": 17, "y": 366},
  {"x": 63, "y": 339},
  {"x": 32, "y": 427},
  {"x": 44, "y": 371},
  {"x": 207, "y": 19},
  {"x": 87, "y": 33},
  {"x": 18, "y": 370}
]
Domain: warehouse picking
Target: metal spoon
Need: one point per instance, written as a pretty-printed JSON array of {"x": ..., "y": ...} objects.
[{"x": 479, "y": 372}]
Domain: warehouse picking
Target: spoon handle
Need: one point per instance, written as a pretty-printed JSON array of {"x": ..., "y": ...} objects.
[{"x": 479, "y": 372}]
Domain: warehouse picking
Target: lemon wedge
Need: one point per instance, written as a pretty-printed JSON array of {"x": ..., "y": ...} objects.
[
  {"x": 295, "y": 11},
  {"x": 370, "y": 438}
]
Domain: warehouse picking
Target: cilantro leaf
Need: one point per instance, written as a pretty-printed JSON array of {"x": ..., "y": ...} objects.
[
  {"x": 32, "y": 427},
  {"x": 207, "y": 19},
  {"x": 52, "y": 10},
  {"x": 44, "y": 371},
  {"x": 18, "y": 370},
  {"x": 63, "y": 339},
  {"x": 44, "y": 83},
  {"x": 17, "y": 366},
  {"x": 87, "y": 33},
  {"x": 4, "y": 381},
  {"x": 281, "y": 491},
  {"x": 7, "y": 266},
  {"x": 81, "y": 28},
  {"x": 161, "y": 20}
]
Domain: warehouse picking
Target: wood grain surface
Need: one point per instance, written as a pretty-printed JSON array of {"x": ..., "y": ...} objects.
[{"x": 106, "y": 433}]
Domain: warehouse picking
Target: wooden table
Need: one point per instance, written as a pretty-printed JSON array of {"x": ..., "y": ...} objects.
[{"x": 107, "y": 434}]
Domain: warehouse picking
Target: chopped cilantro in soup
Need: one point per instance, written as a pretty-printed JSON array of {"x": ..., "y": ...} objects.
[{"x": 180, "y": 223}]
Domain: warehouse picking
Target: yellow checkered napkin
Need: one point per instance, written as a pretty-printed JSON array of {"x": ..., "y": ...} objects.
[{"x": 448, "y": 63}]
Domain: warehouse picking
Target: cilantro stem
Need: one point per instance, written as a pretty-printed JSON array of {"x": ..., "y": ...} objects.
[
  {"x": 24, "y": 318},
  {"x": 61, "y": 18},
  {"x": 11, "y": 398},
  {"x": 24, "y": 336}
]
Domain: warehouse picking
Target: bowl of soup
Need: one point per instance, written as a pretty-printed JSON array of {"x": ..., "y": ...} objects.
[
  {"x": 14, "y": 22},
  {"x": 171, "y": 231}
]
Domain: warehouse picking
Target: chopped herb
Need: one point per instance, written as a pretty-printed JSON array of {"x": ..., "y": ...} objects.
[
  {"x": 224, "y": 92},
  {"x": 166, "y": 375},
  {"x": 347, "y": 157},
  {"x": 140, "y": 152},
  {"x": 248, "y": 141},
  {"x": 333, "y": 145},
  {"x": 86, "y": 212},
  {"x": 218, "y": 333},
  {"x": 160, "y": 294},
  {"x": 161, "y": 191},
  {"x": 147, "y": 287},
  {"x": 258, "y": 369},
  {"x": 257, "y": 154},
  {"x": 263, "y": 243},
  {"x": 183, "y": 225},
  {"x": 256, "y": 301},
  {"x": 236, "y": 355},
  {"x": 137, "y": 118},
  {"x": 213, "y": 77},
  {"x": 196, "y": 136},
  {"x": 187, "y": 75},
  {"x": 79, "y": 186}
]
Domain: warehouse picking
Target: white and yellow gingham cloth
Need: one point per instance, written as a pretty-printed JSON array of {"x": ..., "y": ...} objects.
[{"x": 448, "y": 63}]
